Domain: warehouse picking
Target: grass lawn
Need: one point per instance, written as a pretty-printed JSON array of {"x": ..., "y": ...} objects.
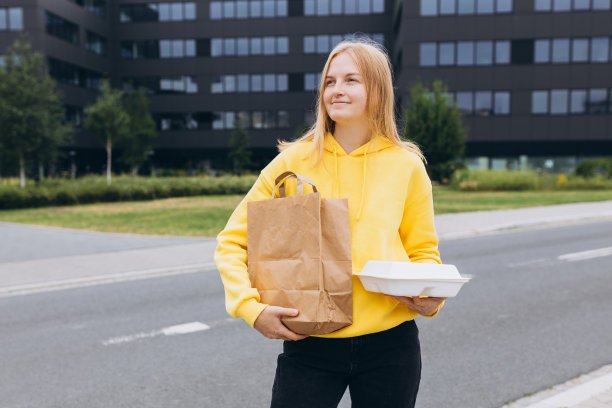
[{"x": 207, "y": 215}]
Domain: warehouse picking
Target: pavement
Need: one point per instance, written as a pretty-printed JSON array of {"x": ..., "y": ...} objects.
[{"x": 40, "y": 258}]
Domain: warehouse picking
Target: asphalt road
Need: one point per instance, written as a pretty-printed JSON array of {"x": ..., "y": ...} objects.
[{"x": 527, "y": 321}]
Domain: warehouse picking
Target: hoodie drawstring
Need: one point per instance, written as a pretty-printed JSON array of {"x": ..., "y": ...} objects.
[
  {"x": 363, "y": 184},
  {"x": 336, "y": 172}
]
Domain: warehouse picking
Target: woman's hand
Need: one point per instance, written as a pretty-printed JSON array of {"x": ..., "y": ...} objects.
[
  {"x": 270, "y": 325},
  {"x": 425, "y": 306}
]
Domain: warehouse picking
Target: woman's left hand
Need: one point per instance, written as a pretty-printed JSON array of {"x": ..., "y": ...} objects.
[{"x": 425, "y": 306}]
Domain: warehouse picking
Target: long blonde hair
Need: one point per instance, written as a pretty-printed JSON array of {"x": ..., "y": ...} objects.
[{"x": 375, "y": 68}]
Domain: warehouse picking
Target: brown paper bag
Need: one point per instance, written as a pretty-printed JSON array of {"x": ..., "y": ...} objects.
[{"x": 299, "y": 256}]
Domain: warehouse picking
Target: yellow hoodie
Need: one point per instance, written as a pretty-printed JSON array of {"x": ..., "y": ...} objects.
[{"x": 391, "y": 218}]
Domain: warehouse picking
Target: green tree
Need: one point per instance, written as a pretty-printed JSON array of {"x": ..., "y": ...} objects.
[
  {"x": 239, "y": 153},
  {"x": 108, "y": 120},
  {"x": 434, "y": 123},
  {"x": 137, "y": 145},
  {"x": 31, "y": 112}
]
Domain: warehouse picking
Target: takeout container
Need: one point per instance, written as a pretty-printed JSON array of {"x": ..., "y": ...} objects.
[{"x": 412, "y": 278}]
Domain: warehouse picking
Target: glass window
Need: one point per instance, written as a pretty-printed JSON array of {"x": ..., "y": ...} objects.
[
  {"x": 269, "y": 83},
  {"x": 243, "y": 83},
  {"x": 601, "y": 4},
  {"x": 609, "y": 99},
  {"x": 190, "y": 11},
  {"x": 483, "y": 103},
  {"x": 429, "y": 8},
  {"x": 309, "y": 44},
  {"x": 217, "y": 120},
  {"x": 309, "y": 82},
  {"x": 282, "y": 45},
  {"x": 165, "y": 50},
  {"x": 192, "y": 86},
  {"x": 580, "y": 50},
  {"x": 484, "y": 7},
  {"x": 539, "y": 102},
  {"x": 350, "y": 6},
  {"x": 504, "y": 6},
  {"x": 378, "y": 6},
  {"x": 178, "y": 84},
  {"x": 164, "y": 12},
  {"x": 561, "y": 5},
  {"x": 309, "y": 7},
  {"x": 177, "y": 49},
  {"x": 465, "y": 53},
  {"x": 255, "y": 8},
  {"x": 229, "y": 120},
  {"x": 582, "y": 4},
  {"x": 448, "y": 7},
  {"x": 269, "y": 8},
  {"x": 176, "y": 12},
  {"x": 560, "y": 50},
  {"x": 322, "y": 43},
  {"x": 364, "y": 7},
  {"x": 256, "y": 46},
  {"x": 335, "y": 40},
  {"x": 269, "y": 47},
  {"x": 484, "y": 52},
  {"x": 502, "y": 52},
  {"x": 336, "y": 7},
  {"x": 465, "y": 102},
  {"x": 600, "y": 47},
  {"x": 229, "y": 46},
  {"x": 229, "y": 83},
  {"x": 244, "y": 119},
  {"x": 283, "y": 119},
  {"x": 578, "y": 98},
  {"x": 542, "y": 51},
  {"x": 216, "y": 13},
  {"x": 229, "y": 10},
  {"x": 542, "y": 5},
  {"x": 243, "y": 46},
  {"x": 558, "y": 101},
  {"x": 242, "y": 9},
  {"x": 257, "y": 117},
  {"x": 281, "y": 8},
  {"x": 501, "y": 103},
  {"x": 322, "y": 7},
  {"x": 466, "y": 6},
  {"x": 256, "y": 83},
  {"x": 3, "y": 19},
  {"x": 428, "y": 54},
  {"x": 15, "y": 18},
  {"x": 446, "y": 54},
  {"x": 216, "y": 47},
  {"x": 282, "y": 82},
  {"x": 598, "y": 100}
]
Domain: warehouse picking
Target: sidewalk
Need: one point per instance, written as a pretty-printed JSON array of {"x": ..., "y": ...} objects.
[{"x": 39, "y": 258}]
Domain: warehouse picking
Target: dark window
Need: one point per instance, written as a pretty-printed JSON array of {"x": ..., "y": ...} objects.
[
  {"x": 97, "y": 7},
  {"x": 522, "y": 51},
  {"x": 296, "y": 82},
  {"x": 138, "y": 12},
  {"x": 61, "y": 28},
  {"x": 96, "y": 43},
  {"x": 70, "y": 74}
]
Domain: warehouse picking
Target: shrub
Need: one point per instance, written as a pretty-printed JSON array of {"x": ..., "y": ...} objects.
[
  {"x": 487, "y": 180},
  {"x": 592, "y": 167}
]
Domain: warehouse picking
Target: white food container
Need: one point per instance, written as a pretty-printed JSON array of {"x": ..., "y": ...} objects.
[{"x": 412, "y": 278}]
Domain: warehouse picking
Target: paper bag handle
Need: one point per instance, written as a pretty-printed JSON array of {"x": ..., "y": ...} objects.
[{"x": 280, "y": 181}]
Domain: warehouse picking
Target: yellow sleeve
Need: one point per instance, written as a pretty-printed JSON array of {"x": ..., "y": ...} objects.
[
  {"x": 241, "y": 299},
  {"x": 417, "y": 229}
]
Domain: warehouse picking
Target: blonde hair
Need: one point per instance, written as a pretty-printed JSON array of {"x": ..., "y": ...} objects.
[{"x": 375, "y": 68}]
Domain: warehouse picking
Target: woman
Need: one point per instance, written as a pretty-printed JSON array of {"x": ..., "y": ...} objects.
[{"x": 352, "y": 151}]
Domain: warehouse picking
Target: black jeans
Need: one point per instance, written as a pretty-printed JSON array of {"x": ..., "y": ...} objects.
[{"x": 381, "y": 370}]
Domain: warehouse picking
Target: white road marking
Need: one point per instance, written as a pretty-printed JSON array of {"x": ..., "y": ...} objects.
[
  {"x": 580, "y": 256},
  {"x": 186, "y": 328}
]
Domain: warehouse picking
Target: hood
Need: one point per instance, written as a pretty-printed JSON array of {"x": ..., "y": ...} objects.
[{"x": 376, "y": 144}]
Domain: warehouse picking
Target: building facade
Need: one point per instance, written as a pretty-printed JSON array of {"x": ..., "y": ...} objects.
[{"x": 533, "y": 78}]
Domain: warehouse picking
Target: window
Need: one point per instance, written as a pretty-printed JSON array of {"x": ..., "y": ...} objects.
[
  {"x": 465, "y": 53},
  {"x": 465, "y": 102},
  {"x": 3, "y": 19},
  {"x": 598, "y": 101},
  {"x": 378, "y": 6},
  {"x": 243, "y": 46},
  {"x": 309, "y": 44},
  {"x": 578, "y": 99},
  {"x": 502, "y": 52},
  {"x": 539, "y": 102},
  {"x": 447, "y": 7},
  {"x": 216, "y": 11},
  {"x": 282, "y": 82},
  {"x": 256, "y": 46},
  {"x": 322, "y": 43},
  {"x": 562, "y": 5},
  {"x": 363, "y": 7},
  {"x": 483, "y": 103},
  {"x": 484, "y": 53},
  {"x": 542, "y": 5},
  {"x": 309, "y": 82},
  {"x": 580, "y": 50},
  {"x": 601, "y": 4},
  {"x": 243, "y": 83},
  {"x": 485, "y": 6},
  {"x": 97, "y": 7},
  {"x": 255, "y": 9},
  {"x": 242, "y": 9},
  {"x": 466, "y": 7},
  {"x": 256, "y": 83},
  {"x": 560, "y": 50},
  {"x": 504, "y": 6},
  {"x": 282, "y": 45},
  {"x": 446, "y": 53},
  {"x": 429, "y": 8},
  {"x": 600, "y": 47},
  {"x": 70, "y": 74},
  {"x": 428, "y": 54},
  {"x": 350, "y": 6},
  {"x": 501, "y": 103},
  {"x": 542, "y": 51},
  {"x": 558, "y": 101},
  {"x": 229, "y": 9},
  {"x": 582, "y": 4},
  {"x": 96, "y": 43},
  {"x": 60, "y": 28},
  {"x": 269, "y": 8},
  {"x": 15, "y": 19}
]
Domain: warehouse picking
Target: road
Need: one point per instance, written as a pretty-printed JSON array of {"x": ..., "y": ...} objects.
[{"x": 527, "y": 321}]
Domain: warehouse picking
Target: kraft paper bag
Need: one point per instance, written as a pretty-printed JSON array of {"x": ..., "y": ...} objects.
[{"x": 299, "y": 256}]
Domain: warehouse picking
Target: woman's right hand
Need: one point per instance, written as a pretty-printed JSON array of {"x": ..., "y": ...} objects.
[{"x": 270, "y": 325}]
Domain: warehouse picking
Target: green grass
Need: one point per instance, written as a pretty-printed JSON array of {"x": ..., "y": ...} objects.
[{"x": 207, "y": 215}]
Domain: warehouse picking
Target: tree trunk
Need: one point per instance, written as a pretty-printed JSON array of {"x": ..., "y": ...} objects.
[
  {"x": 41, "y": 171},
  {"x": 21, "y": 170},
  {"x": 108, "y": 160}
]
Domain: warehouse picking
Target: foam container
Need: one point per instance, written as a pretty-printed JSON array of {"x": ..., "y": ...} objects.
[{"x": 412, "y": 278}]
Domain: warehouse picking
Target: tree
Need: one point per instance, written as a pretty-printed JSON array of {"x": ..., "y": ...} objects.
[
  {"x": 107, "y": 119},
  {"x": 434, "y": 123},
  {"x": 137, "y": 144},
  {"x": 239, "y": 153},
  {"x": 31, "y": 112}
]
